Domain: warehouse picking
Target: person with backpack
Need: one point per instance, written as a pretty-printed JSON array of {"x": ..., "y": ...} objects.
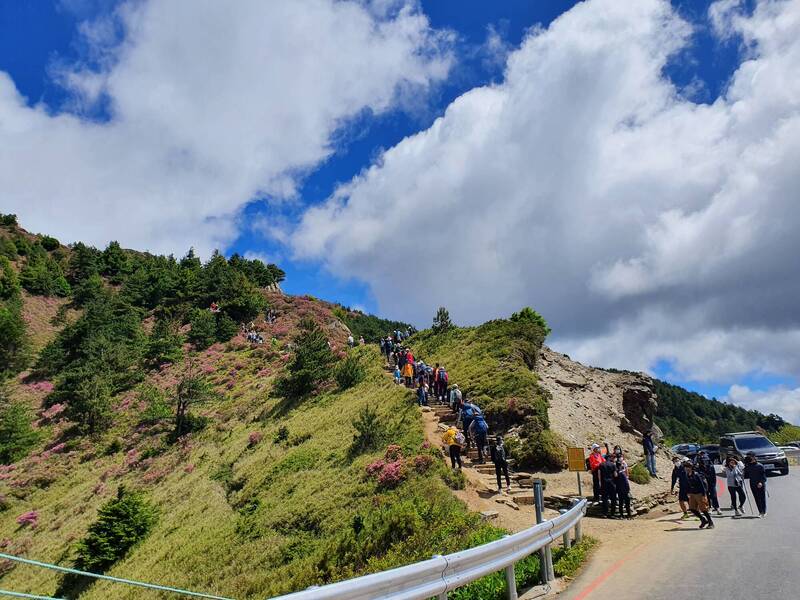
[
  {"x": 608, "y": 476},
  {"x": 422, "y": 394},
  {"x": 679, "y": 477},
  {"x": 594, "y": 462},
  {"x": 468, "y": 413},
  {"x": 755, "y": 472},
  {"x": 500, "y": 460},
  {"x": 698, "y": 495},
  {"x": 398, "y": 376},
  {"x": 623, "y": 484},
  {"x": 455, "y": 398},
  {"x": 454, "y": 440},
  {"x": 707, "y": 468},
  {"x": 734, "y": 476},
  {"x": 479, "y": 430},
  {"x": 649, "y": 447},
  {"x": 441, "y": 378}
]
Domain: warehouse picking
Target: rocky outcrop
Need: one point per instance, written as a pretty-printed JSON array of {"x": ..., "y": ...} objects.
[{"x": 592, "y": 405}]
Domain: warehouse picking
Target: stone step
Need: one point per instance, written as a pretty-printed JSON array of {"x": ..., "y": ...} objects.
[{"x": 523, "y": 498}]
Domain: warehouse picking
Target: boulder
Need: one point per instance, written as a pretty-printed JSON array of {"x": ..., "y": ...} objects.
[{"x": 488, "y": 515}]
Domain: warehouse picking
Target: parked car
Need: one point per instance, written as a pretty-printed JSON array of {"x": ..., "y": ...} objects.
[
  {"x": 712, "y": 450},
  {"x": 687, "y": 450},
  {"x": 767, "y": 453}
]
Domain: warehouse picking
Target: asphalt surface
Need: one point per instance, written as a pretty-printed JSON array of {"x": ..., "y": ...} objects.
[{"x": 740, "y": 559}]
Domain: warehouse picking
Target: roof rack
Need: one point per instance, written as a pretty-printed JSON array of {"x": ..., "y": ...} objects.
[{"x": 743, "y": 433}]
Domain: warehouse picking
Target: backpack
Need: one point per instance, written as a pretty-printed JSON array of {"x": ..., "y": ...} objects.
[
  {"x": 442, "y": 375},
  {"x": 460, "y": 439}
]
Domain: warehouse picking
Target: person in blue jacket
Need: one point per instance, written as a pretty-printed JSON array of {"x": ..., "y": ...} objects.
[
  {"x": 755, "y": 472},
  {"x": 479, "y": 429},
  {"x": 468, "y": 413}
]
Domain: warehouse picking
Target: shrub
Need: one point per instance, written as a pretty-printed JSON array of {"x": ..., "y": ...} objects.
[
  {"x": 542, "y": 450},
  {"x": 204, "y": 328},
  {"x": 90, "y": 404},
  {"x": 310, "y": 364},
  {"x": 156, "y": 406},
  {"x": 165, "y": 344},
  {"x": 9, "y": 220},
  {"x": 49, "y": 243},
  {"x": 566, "y": 562},
  {"x": 30, "y": 519},
  {"x": 281, "y": 435},
  {"x": 121, "y": 524},
  {"x": 422, "y": 462},
  {"x": 226, "y": 327},
  {"x": 17, "y": 436},
  {"x": 370, "y": 431},
  {"x": 350, "y": 372},
  {"x": 254, "y": 438},
  {"x": 639, "y": 474},
  {"x": 392, "y": 474},
  {"x": 8, "y": 248},
  {"x": 455, "y": 480},
  {"x": 530, "y": 315}
]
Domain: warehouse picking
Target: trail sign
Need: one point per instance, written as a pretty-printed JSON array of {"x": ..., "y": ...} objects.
[{"x": 576, "y": 459}]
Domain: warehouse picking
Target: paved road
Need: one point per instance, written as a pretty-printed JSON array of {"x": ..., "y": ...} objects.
[{"x": 741, "y": 559}]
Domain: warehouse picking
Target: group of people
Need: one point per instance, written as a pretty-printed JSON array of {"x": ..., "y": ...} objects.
[
  {"x": 352, "y": 342},
  {"x": 697, "y": 486},
  {"x": 610, "y": 481},
  {"x": 252, "y": 334}
]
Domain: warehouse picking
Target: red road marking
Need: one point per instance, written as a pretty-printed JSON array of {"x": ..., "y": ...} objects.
[{"x": 608, "y": 573}]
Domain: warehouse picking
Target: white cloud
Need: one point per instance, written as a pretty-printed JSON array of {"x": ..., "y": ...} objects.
[
  {"x": 779, "y": 400},
  {"x": 211, "y": 104},
  {"x": 643, "y": 226}
]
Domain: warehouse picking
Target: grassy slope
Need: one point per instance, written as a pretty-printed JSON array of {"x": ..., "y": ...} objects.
[
  {"x": 234, "y": 520},
  {"x": 493, "y": 364}
]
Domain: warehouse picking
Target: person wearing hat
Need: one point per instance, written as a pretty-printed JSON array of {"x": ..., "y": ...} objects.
[
  {"x": 455, "y": 398},
  {"x": 755, "y": 472},
  {"x": 595, "y": 460},
  {"x": 698, "y": 495}
]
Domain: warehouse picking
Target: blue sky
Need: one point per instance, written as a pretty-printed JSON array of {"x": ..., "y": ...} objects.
[{"x": 40, "y": 41}]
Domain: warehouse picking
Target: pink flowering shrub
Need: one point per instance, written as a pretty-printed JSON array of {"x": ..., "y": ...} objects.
[
  {"x": 376, "y": 467},
  {"x": 254, "y": 438},
  {"x": 188, "y": 468},
  {"x": 58, "y": 448},
  {"x": 426, "y": 445},
  {"x": 30, "y": 518},
  {"x": 53, "y": 411},
  {"x": 422, "y": 462},
  {"x": 393, "y": 452},
  {"x": 99, "y": 488},
  {"x": 263, "y": 373},
  {"x": 393, "y": 474},
  {"x": 132, "y": 457},
  {"x": 44, "y": 387}
]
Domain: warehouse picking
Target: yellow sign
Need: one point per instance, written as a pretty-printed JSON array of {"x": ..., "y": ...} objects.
[{"x": 576, "y": 459}]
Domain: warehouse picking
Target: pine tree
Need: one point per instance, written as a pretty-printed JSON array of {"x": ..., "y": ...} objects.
[
  {"x": 310, "y": 364},
  {"x": 17, "y": 436},
  {"x": 442, "y": 322}
]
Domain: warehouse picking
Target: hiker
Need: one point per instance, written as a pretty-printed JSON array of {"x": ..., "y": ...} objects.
[
  {"x": 705, "y": 467},
  {"x": 757, "y": 474},
  {"x": 649, "y": 447},
  {"x": 441, "y": 378},
  {"x": 734, "y": 475},
  {"x": 479, "y": 430},
  {"x": 679, "y": 476},
  {"x": 422, "y": 394},
  {"x": 608, "y": 476},
  {"x": 350, "y": 341},
  {"x": 214, "y": 308},
  {"x": 361, "y": 341},
  {"x": 594, "y": 461},
  {"x": 698, "y": 495},
  {"x": 408, "y": 372},
  {"x": 623, "y": 483},
  {"x": 500, "y": 460},
  {"x": 454, "y": 440},
  {"x": 455, "y": 398},
  {"x": 468, "y": 412},
  {"x": 398, "y": 377}
]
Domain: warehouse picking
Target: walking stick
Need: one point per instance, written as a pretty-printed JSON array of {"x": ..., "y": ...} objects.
[{"x": 749, "y": 502}]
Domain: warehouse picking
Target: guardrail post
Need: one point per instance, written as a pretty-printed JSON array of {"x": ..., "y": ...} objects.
[
  {"x": 577, "y": 524},
  {"x": 511, "y": 581},
  {"x": 443, "y": 595},
  {"x": 565, "y": 538},
  {"x": 538, "y": 503}
]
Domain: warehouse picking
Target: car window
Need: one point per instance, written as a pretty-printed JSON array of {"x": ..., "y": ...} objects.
[
  {"x": 726, "y": 443},
  {"x": 751, "y": 443}
]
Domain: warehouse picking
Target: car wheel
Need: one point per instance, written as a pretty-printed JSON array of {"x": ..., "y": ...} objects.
[{"x": 784, "y": 471}]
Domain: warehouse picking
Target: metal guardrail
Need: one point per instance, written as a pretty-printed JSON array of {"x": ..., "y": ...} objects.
[{"x": 442, "y": 574}]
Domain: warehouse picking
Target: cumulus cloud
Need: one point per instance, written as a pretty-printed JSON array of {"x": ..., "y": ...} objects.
[
  {"x": 781, "y": 400},
  {"x": 210, "y": 105},
  {"x": 643, "y": 225}
]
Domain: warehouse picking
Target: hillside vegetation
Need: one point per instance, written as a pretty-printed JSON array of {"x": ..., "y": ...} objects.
[{"x": 149, "y": 439}]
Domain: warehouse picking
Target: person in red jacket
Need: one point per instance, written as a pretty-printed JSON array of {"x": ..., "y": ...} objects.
[{"x": 595, "y": 461}]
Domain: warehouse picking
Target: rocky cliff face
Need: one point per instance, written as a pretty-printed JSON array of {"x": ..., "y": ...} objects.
[{"x": 591, "y": 405}]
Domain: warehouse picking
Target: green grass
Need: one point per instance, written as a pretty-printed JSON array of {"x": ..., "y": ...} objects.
[
  {"x": 242, "y": 520},
  {"x": 493, "y": 364},
  {"x": 567, "y": 562},
  {"x": 640, "y": 474}
]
